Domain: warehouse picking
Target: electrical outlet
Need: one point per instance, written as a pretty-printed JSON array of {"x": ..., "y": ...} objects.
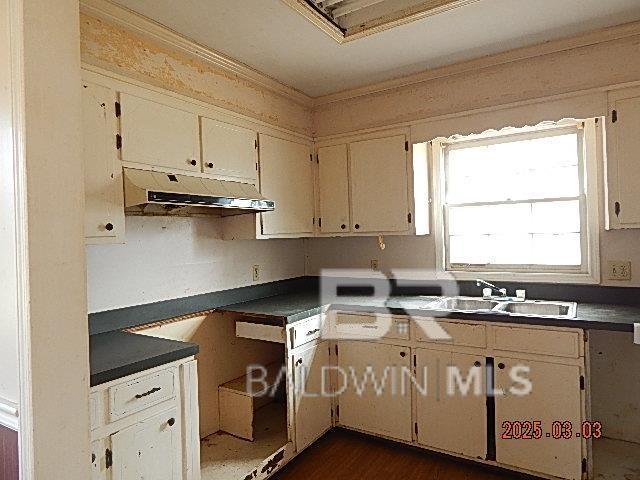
[
  {"x": 374, "y": 265},
  {"x": 256, "y": 272},
  {"x": 619, "y": 270}
]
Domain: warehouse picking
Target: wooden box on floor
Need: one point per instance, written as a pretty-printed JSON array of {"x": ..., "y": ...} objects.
[{"x": 240, "y": 399}]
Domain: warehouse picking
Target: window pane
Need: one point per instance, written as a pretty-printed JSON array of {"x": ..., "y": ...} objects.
[
  {"x": 515, "y": 170},
  {"x": 563, "y": 249}
]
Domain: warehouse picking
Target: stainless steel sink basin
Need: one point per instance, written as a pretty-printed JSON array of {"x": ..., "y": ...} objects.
[
  {"x": 546, "y": 309},
  {"x": 464, "y": 304},
  {"x": 533, "y": 308}
]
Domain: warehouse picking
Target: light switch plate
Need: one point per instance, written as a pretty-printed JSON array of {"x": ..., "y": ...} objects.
[
  {"x": 620, "y": 270},
  {"x": 636, "y": 333},
  {"x": 374, "y": 265}
]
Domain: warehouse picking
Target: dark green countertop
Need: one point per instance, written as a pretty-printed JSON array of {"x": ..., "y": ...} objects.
[{"x": 117, "y": 354}]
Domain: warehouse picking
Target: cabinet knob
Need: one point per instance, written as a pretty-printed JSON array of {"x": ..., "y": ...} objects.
[
  {"x": 108, "y": 227},
  {"x": 403, "y": 354},
  {"x": 171, "y": 422},
  {"x": 501, "y": 366},
  {"x": 477, "y": 364},
  {"x": 357, "y": 226},
  {"x": 299, "y": 362},
  {"x": 343, "y": 226},
  {"x": 193, "y": 162},
  {"x": 210, "y": 165}
]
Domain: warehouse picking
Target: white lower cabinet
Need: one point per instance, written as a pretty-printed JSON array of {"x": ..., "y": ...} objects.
[
  {"x": 149, "y": 449},
  {"x": 555, "y": 396},
  {"x": 372, "y": 395},
  {"x": 451, "y": 403},
  {"x": 312, "y": 408},
  {"x": 159, "y": 440}
]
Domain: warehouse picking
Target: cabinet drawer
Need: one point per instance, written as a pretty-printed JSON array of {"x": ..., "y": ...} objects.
[
  {"x": 462, "y": 334},
  {"x": 542, "y": 342},
  {"x": 135, "y": 395},
  {"x": 353, "y": 326},
  {"x": 258, "y": 331},
  {"x": 306, "y": 331}
]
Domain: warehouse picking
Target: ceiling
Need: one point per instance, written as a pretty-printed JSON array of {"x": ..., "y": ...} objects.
[{"x": 271, "y": 37}]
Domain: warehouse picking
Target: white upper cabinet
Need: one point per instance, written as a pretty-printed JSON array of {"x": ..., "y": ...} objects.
[
  {"x": 104, "y": 203},
  {"x": 286, "y": 176},
  {"x": 623, "y": 158},
  {"x": 229, "y": 151},
  {"x": 159, "y": 135},
  {"x": 333, "y": 189},
  {"x": 379, "y": 185}
]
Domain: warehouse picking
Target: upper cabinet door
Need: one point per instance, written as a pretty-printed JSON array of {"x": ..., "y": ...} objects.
[
  {"x": 333, "y": 189},
  {"x": 623, "y": 140},
  {"x": 286, "y": 176},
  {"x": 229, "y": 151},
  {"x": 158, "y": 135},
  {"x": 104, "y": 203},
  {"x": 379, "y": 196}
]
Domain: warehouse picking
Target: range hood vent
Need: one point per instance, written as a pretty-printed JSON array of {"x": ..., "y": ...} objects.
[{"x": 144, "y": 189}]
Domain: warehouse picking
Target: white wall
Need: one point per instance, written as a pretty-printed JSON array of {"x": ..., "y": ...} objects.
[{"x": 170, "y": 257}]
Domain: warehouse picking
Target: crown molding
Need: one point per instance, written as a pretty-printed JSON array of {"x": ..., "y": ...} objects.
[
  {"x": 583, "y": 40},
  {"x": 132, "y": 21}
]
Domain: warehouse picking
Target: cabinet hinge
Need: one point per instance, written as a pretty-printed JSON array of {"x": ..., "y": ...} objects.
[
  {"x": 415, "y": 428},
  {"x": 406, "y": 146},
  {"x": 617, "y": 209},
  {"x": 336, "y": 349},
  {"x": 317, "y": 158},
  {"x": 118, "y": 141},
  {"x": 337, "y": 412},
  {"x": 614, "y": 116},
  {"x": 255, "y": 144},
  {"x": 118, "y": 109},
  {"x": 415, "y": 361},
  {"x": 581, "y": 382},
  {"x": 320, "y": 222},
  {"x": 311, "y": 157},
  {"x": 314, "y": 220},
  {"x": 256, "y": 166},
  {"x": 108, "y": 458},
  {"x": 584, "y": 465},
  {"x": 409, "y": 217}
]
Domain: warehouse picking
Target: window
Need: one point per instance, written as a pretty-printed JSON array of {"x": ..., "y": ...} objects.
[{"x": 516, "y": 203}]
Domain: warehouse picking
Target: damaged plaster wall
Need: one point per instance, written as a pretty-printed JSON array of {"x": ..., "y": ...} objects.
[{"x": 113, "y": 48}]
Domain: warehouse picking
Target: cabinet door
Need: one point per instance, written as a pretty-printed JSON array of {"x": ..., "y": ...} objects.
[
  {"x": 311, "y": 394},
  {"x": 379, "y": 196},
  {"x": 158, "y": 135},
  {"x": 377, "y": 392},
  {"x": 452, "y": 409},
  {"x": 555, "y": 397},
  {"x": 229, "y": 151},
  {"x": 333, "y": 189},
  {"x": 150, "y": 449},
  {"x": 104, "y": 202},
  {"x": 286, "y": 176},
  {"x": 623, "y": 140},
  {"x": 99, "y": 470}
]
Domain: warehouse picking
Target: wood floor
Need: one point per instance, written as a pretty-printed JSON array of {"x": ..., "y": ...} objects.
[{"x": 349, "y": 456}]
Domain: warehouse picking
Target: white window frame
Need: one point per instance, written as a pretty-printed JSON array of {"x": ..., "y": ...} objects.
[{"x": 590, "y": 145}]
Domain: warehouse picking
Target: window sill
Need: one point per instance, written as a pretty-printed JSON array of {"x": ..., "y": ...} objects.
[{"x": 544, "y": 277}]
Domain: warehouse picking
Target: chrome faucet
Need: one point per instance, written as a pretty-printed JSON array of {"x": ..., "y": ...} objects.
[{"x": 502, "y": 292}]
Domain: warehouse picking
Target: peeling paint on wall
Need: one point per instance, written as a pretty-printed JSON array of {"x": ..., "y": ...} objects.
[
  {"x": 112, "y": 48},
  {"x": 594, "y": 66}
]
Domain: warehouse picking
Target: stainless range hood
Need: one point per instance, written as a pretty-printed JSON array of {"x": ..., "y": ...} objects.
[{"x": 156, "y": 192}]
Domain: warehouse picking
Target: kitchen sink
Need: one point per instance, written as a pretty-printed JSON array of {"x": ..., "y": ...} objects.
[
  {"x": 464, "y": 304},
  {"x": 532, "y": 308},
  {"x": 544, "y": 309}
]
